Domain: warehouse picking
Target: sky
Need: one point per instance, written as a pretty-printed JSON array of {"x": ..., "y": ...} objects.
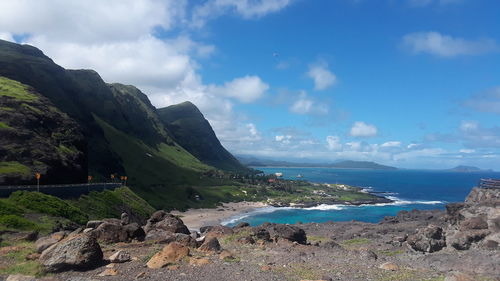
[{"x": 408, "y": 83}]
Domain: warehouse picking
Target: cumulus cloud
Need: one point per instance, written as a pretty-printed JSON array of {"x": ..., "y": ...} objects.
[
  {"x": 467, "y": 151},
  {"x": 487, "y": 101},
  {"x": 391, "y": 144},
  {"x": 361, "y": 129},
  {"x": 333, "y": 143},
  {"x": 283, "y": 139},
  {"x": 247, "y": 9},
  {"x": 323, "y": 78},
  {"x": 437, "y": 44},
  {"x": 245, "y": 89},
  {"x": 306, "y": 105},
  {"x": 118, "y": 39}
]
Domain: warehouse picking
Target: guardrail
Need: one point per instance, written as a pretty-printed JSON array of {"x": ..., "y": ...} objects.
[
  {"x": 489, "y": 183},
  {"x": 60, "y": 190}
]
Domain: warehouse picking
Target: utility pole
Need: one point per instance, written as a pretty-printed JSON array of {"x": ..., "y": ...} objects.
[{"x": 37, "y": 176}]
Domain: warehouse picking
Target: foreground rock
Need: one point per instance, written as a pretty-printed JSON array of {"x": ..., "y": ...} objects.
[
  {"x": 171, "y": 253},
  {"x": 162, "y": 220},
  {"x": 291, "y": 233},
  {"x": 113, "y": 231},
  {"x": 427, "y": 240},
  {"x": 75, "y": 253},
  {"x": 45, "y": 242}
]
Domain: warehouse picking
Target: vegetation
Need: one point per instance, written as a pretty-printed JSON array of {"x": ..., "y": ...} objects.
[
  {"x": 17, "y": 263},
  {"x": 111, "y": 203},
  {"x": 3, "y": 125},
  {"x": 16, "y": 222},
  {"x": 13, "y": 167},
  {"x": 16, "y": 90},
  {"x": 47, "y": 204}
]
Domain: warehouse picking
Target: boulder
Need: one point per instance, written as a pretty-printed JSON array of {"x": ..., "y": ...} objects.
[
  {"x": 160, "y": 236},
  {"x": 427, "y": 240},
  {"x": 262, "y": 234},
  {"x": 79, "y": 252},
  {"x": 45, "y": 242},
  {"x": 246, "y": 240},
  {"x": 462, "y": 240},
  {"x": 210, "y": 245},
  {"x": 241, "y": 225},
  {"x": 165, "y": 221},
  {"x": 171, "y": 253},
  {"x": 120, "y": 257},
  {"x": 367, "y": 254},
  {"x": 185, "y": 239},
  {"x": 93, "y": 224},
  {"x": 113, "y": 232},
  {"x": 24, "y": 236},
  {"x": 219, "y": 231},
  {"x": 291, "y": 233},
  {"x": 453, "y": 214},
  {"x": 474, "y": 223}
]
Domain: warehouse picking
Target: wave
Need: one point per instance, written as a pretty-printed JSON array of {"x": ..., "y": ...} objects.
[
  {"x": 239, "y": 217},
  {"x": 325, "y": 207}
]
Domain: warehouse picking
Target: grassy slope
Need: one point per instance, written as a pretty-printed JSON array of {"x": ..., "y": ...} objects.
[
  {"x": 162, "y": 188},
  {"x": 37, "y": 211}
]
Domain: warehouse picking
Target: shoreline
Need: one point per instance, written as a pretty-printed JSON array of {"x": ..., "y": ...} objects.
[{"x": 196, "y": 218}]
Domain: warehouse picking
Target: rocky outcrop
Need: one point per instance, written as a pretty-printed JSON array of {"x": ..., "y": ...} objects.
[
  {"x": 45, "y": 242},
  {"x": 428, "y": 240},
  {"x": 475, "y": 223},
  {"x": 162, "y": 220},
  {"x": 210, "y": 245},
  {"x": 76, "y": 253}
]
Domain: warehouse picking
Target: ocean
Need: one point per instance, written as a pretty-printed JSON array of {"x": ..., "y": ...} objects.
[{"x": 410, "y": 189}]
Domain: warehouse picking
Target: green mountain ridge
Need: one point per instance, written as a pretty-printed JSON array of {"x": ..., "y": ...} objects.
[
  {"x": 344, "y": 164},
  {"x": 122, "y": 130},
  {"x": 193, "y": 132}
]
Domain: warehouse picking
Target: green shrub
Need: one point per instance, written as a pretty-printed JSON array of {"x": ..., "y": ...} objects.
[
  {"x": 48, "y": 204},
  {"x": 7, "y": 208},
  {"x": 16, "y": 222}
]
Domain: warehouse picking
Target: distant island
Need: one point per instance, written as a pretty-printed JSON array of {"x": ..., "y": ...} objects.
[
  {"x": 468, "y": 169},
  {"x": 344, "y": 164}
]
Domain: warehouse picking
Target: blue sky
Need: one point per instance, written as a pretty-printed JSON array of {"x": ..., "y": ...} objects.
[{"x": 410, "y": 83}]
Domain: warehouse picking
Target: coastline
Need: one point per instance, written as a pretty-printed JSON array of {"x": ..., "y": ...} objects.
[{"x": 196, "y": 218}]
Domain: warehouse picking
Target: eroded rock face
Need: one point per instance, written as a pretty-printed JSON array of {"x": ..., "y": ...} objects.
[
  {"x": 45, "y": 242},
  {"x": 76, "y": 253},
  {"x": 483, "y": 196},
  {"x": 427, "y": 240},
  {"x": 165, "y": 221}
]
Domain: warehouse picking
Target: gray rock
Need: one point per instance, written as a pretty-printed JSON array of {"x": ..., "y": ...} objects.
[
  {"x": 76, "y": 253},
  {"x": 19, "y": 277},
  {"x": 210, "y": 245},
  {"x": 93, "y": 224},
  {"x": 427, "y": 240},
  {"x": 45, "y": 242},
  {"x": 291, "y": 233},
  {"x": 462, "y": 240},
  {"x": 113, "y": 232},
  {"x": 165, "y": 221},
  {"x": 120, "y": 257},
  {"x": 262, "y": 234},
  {"x": 241, "y": 225}
]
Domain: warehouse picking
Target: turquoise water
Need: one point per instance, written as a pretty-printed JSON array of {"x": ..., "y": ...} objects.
[{"x": 410, "y": 189}]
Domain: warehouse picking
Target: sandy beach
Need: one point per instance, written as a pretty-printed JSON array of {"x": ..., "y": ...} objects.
[{"x": 196, "y": 218}]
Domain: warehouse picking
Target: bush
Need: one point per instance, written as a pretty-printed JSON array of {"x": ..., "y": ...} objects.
[
  {"x": 17, "y": 222},
  {"x": 7, "y": 208},
  {"x": 48, "y": 204}
]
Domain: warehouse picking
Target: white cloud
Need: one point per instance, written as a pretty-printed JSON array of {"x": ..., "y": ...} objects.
[
  {"x": 487, "y": 101},
  {"x": 245, "y": 89},
  {"x": 323, "y": 78},
  {"x": 361, "y": 129},
  {"x": 441, "y": 45},
  {"x": 469, "y": 126},
  {"x": 413, "y": 145},
  {"x": 467, "y": 151},
  {"x": 117, "y": 39},
  {"x": 391, "y": 144},
  {"x": 306, "y": 105},
  {"x": 247, "y": 9},
  {"x": 283, "y": 138},
  {"x": 333, "y": 143}
]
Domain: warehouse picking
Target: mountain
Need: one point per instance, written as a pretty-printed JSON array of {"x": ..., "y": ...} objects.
[
  {"x": 345, "y": 164},
  {"x": 467, "y": 169},
  {"x": 37, "y": 138},
  {"x": 192, "y": 131},
  {"x": 122, "y": 131}
]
